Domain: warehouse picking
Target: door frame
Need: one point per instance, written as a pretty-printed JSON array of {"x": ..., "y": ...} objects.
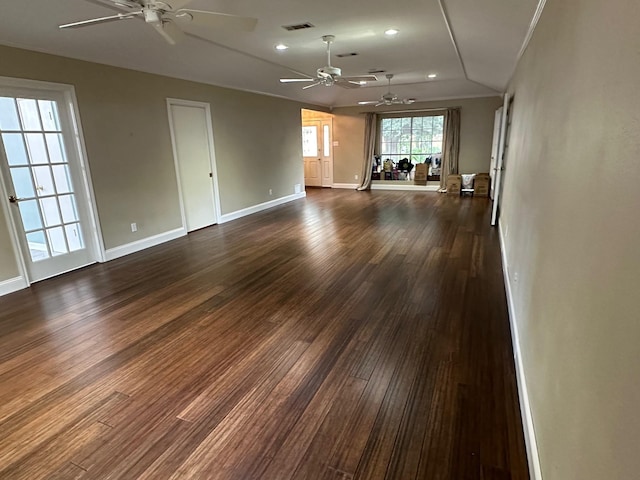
[
  {"x": 212, "y": 156},
  {"x": 495, "y": 144},
  {"x": 500, "y": 160},
  {"x": 317, "y": 123},
  {"x": 95, "y": 239}
]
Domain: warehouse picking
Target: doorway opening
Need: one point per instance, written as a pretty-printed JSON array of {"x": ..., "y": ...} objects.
[{"x": 317, "y": 148}]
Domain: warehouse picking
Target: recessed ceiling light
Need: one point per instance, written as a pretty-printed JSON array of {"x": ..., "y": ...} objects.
[
  {"x": 391, "y": 32},
  {"x": 281, "y": 46},
  {"x": 432, "y": 75}
]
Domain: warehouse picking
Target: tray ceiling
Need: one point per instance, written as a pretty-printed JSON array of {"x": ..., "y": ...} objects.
[{"x": 471, "y": 46}]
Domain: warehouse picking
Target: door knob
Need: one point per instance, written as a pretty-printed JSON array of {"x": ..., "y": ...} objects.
[{"x": 13, "y": 199}]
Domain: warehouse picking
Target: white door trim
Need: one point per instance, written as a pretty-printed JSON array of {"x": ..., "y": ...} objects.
[
  {"x": 13, "y": 234},
  {"x": 500, "y": 161},
  {"x": 80, "y": 151},
  {"x": 497, "y": 123},
  {"x": 212, "y": 155}
]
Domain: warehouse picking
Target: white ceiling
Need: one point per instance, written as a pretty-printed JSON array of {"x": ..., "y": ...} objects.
[{"x": 471, "y": 45}]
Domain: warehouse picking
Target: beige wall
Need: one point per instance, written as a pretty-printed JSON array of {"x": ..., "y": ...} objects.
[
  {"x": 124, "y": 116},
  {"x": 570, "y": 216},
  {"x": 476, "y": 133}
]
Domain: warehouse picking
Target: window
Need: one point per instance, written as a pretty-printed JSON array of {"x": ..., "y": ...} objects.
[{"x": 411, "y": 137}]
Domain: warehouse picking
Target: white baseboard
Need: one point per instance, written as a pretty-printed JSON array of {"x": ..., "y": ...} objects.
[
  {"x": 12, "y": 285},
  {"x": 348, "y": 186},
  {"x": 122, "y": 250},
  {"x": 227, "y": 217},
  {"x": 525, "y": 407},
  {"x": 407, "y": 188}
]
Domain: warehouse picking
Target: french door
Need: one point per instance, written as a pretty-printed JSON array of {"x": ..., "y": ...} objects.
[{"x": 42, "y": 177}]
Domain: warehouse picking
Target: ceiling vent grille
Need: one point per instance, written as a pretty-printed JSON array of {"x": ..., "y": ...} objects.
[
  {"x": 376, "y": 70},
  {"x": 350, "y": 54},
  {"x": 298, "y": 26}
]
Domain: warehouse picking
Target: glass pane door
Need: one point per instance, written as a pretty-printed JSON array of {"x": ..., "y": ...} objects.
[
  {"x": 41, "y": 185},
  {"x": 311, "y": 151}
]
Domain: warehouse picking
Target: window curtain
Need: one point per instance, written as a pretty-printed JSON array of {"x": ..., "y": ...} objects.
[
  {"x": 370, "y": 125},
  {"x": 451, "y": 149}
]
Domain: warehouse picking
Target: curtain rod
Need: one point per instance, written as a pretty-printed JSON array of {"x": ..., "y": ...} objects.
[{"x": 409, "y": 111}]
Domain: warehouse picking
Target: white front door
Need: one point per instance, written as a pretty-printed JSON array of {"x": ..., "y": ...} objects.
[
  {"x": 192, "y": 139},
  {"x": 43, "y": 178},
  {"x": 312, "y": 152}
]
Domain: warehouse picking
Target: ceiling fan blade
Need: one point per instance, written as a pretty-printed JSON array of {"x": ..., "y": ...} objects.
[
  {"x": 373, "y": 102},
  {"x": 312, "y": 85},
  {"x": 379, "y": 104},
  {"x": 291, "y": 80},
  {"x": 169, "y": 5},
  {"x": 169, "y": 31},
  {"x": 127, "y": 3},
  {"x": 215, "y": 20},
  {"x": 346, "y": 84},
  {"x": 360, "y": 78},
  {"x": 95, "y": 21}
]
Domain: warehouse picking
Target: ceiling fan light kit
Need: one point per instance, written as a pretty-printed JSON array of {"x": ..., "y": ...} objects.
[{"x": 167, "y": 21}]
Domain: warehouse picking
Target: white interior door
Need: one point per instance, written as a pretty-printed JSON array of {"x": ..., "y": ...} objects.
[
  {"x": 192, "y": 139},
  {"x": 500, "y": 160},
  {"x": 312, "y": 153},
  {"x": 326, "y": 135},
  {"x": 494, "y": 149},
  {"x": 44, "y": 183}
]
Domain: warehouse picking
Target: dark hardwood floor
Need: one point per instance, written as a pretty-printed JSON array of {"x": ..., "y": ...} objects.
[{"x": 343, "y": 336}]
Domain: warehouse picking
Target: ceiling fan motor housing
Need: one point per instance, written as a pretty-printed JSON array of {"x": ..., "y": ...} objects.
[
  {"x": 329, "y": 71},
  {"x": 152, "y": 16}
]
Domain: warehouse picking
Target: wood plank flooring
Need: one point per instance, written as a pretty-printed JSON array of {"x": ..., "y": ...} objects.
[{"x": 348, "y": 335}]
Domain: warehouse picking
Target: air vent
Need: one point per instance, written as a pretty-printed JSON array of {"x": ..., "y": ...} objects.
[
  {"x": 376, "y": 70},
  {"x": 299, "y": 26},
  {"x": 350, "y": 54}
]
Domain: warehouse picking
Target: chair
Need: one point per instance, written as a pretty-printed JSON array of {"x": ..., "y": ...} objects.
[{"x": 405, "y": 166}]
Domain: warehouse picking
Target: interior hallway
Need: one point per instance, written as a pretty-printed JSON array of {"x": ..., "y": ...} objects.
[{"x": 345, "y": 335}]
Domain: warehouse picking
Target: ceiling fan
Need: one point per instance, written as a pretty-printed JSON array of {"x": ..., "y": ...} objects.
[
  {"x": 389, "y": 98},
  {"x": 169, "y": 18},
  {"x": 330, "y": 75}
]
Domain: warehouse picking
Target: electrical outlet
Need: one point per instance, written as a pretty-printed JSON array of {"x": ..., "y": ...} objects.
[
  {"x": 270, "y": 191},
  {"x": 355, "y": 176},
  {"x": 515, "y": 277},
  {"x": 134, "y": 227}
]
